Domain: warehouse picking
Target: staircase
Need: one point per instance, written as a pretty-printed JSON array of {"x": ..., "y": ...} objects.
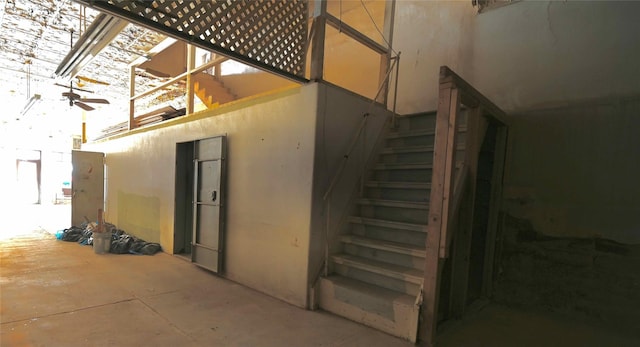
[
  {"x": 211, "y": 91},
  {"x": 377, "y": 275}
]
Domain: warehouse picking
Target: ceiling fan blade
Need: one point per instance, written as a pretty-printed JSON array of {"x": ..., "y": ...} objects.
[
  {"x": 71, "y": 95},
  {"x": 95, "y": 101},
  {"x": 74, "y": 88},
  {"x": 84, "y": 106}
]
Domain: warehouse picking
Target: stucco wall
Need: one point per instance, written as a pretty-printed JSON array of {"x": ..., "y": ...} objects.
[
  {"x": 430, "y": 34},
  {"x": 269, "y": 179},
  {"x": 539, "y": 53},
  {"x": 526, "y": 55},
  {"x": 573, "y": 172}
]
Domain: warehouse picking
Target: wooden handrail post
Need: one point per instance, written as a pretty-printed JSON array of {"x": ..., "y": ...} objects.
[{"x": 439, "y": 206}]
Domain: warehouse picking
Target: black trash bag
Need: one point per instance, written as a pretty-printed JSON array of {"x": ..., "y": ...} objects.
[
  {"x": 73, "y": 234},
  {"x": 150, "y": 248},
  {"x": 121, "y": 244}
]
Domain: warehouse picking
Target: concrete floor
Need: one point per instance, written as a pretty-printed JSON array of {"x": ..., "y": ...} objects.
[{"x": 55, "y": 293}]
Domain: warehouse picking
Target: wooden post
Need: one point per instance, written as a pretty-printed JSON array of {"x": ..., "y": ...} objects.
[
  {"x": 439, "y": 206},
  {"x": 385, "y": 59},
  {"x": 191, "y": 62},
  {"x": 100, "y": 226},
  {"x": 132, "y": 93},
  {"x": 317, "y": 41}
]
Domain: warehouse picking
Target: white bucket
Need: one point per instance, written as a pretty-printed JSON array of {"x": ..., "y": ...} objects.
[{"x": 101, "y": 242}]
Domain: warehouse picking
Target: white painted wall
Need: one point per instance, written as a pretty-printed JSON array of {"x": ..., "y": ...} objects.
[
  {"x": 430, "y": 34},
  {"x": 269, "y": 181},
  {"x": 540, "y": 53},
  {"x": 526, "y": 55}
]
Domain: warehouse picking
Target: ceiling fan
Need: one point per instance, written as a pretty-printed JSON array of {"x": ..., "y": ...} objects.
[{"x": 75, "y": 99}]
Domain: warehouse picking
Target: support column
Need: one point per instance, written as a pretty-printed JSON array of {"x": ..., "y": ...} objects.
[
  {"x": 317, "y": 41},
  {"x": 385, "y": 60},
  {"x": 191, "y": 63},
  {"x": 132, "y": 93}
]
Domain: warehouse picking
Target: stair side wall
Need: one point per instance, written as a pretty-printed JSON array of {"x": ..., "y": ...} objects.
[{"x": 340, "y": 113}]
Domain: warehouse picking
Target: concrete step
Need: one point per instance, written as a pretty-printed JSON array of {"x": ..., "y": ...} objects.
[
  {"x": 392, "y": 312},
  {"x": 390, "y": 190},
  {"x": 416, "y": 238},
  {"x": 410, "y": 256},
  {"x": 420, "y": 137},
  {"x": 393, "y": 203},
  {"x": 394, "y": 210},
  {"x": 405, "y": 172},
  {"x": 388, "y": 224},
  {"x": 398, "y": 185},
  {"x": 416, "y": 121},
  {"x": 411, "y": 154},
  {"x": 389, "y": 246},
  {"x": 395, "y": 277}
]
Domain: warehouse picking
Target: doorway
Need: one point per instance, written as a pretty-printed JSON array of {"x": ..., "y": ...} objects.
[
  {"x": 199, "y": 202},
  {"x": 29, "y": 176}
]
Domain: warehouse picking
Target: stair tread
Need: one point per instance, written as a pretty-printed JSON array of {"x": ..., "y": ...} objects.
[
  {"x": 397, "y": 184},
  {"x": 411, "y": 149},
  {"x": 410, "y": 133},
  {"x": 419, "y": 114},
  {"x": 382, "y": 268},
  {"x": 388, "y": 224},
  {"x": 394, "y": 203},
  {"x": 420, "y": 132},
  {"x": 400, "y": 166},
  {"x": 390, "y": 246},
  {"x": 372, "y": 290}
]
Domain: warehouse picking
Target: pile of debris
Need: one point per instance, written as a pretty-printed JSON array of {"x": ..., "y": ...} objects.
[{"x": 121, "y": 242}]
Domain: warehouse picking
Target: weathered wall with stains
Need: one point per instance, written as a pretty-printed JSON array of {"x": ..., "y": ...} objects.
[
  {"x": 571, "y": 236},
  {"x": 572, "y": 171},
  {"x": 568, "y": 72}
]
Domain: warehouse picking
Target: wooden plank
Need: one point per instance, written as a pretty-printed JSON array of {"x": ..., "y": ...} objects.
[
  {"x": 191, "y": 62},
  {"x": 448, "y": 102},
  {"x": 387, "y": 32},
  {"x": 476, "y": 130},
  {"x": 495, "y": 208},
  {"x": 317, "y": 41},
  {"x": 355, "y": 34},
  {"x": 132, "y": 90},
  {"x": 472, "y": 96},
  {"x": 383, "y": 81}
]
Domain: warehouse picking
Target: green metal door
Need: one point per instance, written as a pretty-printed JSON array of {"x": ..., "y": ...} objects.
[{"x": 208, "y": 213}]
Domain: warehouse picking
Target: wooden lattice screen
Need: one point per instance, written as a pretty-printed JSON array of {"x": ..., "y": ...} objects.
[{"x": 269, "y": 34}]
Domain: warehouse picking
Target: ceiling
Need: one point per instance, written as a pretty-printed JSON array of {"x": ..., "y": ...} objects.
[{"x": 35, "y": 36}]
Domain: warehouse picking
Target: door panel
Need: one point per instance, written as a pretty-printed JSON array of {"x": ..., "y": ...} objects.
[
  {"x": 208, "y": 217},
  {"x": 208, "y": 203},
  {"x": 87, "y": 186}
]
